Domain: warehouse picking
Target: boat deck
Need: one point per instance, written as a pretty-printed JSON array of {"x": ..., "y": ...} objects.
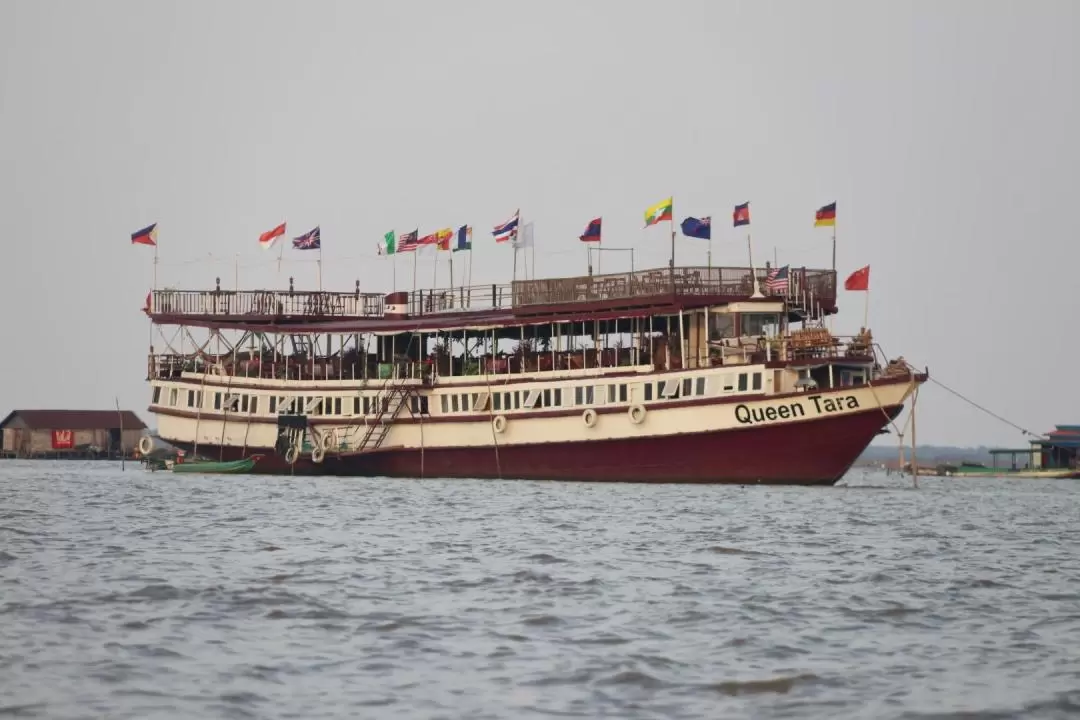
[{"x": 681, "y": 287}]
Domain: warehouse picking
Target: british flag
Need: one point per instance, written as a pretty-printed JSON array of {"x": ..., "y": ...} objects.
[
  {"x": 777, "y": 280},
  {"x": 308, "y": 241}
]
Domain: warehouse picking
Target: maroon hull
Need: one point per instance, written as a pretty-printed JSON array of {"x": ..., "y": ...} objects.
[{"x": 818, "y": 452}]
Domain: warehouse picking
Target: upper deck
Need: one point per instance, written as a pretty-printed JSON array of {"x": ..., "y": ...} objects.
[{"x": 675, "y": 288}]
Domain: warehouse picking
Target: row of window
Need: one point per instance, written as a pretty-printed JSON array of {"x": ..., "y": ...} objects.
[{"x": 501, "y": 401}]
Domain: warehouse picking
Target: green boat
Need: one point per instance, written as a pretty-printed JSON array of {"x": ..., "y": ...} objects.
[{"x": 232, "y": 467}]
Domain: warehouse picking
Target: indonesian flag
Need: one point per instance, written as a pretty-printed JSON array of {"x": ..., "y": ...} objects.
[{"x": 266, "y": 240}]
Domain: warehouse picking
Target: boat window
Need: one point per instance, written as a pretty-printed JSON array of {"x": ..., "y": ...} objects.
[
  {"x": 157, "y": 395},
  {"x": 700, "y": 389},
  {"x": 454, "y": 404},
  {"x": 579, "y": 395},
  {"x": 414, "y": 405},
  {"x": 767, "y": 324},
  {"x": 742, "y": 382},
  {"x": 507, "y": 405},
  {"x": 558, "y": 397},
  {"x": 622, "y": 393},
  {"x": 589, "y": 395},
  {"x": 547, "y": 398},
  {"x": 671, "y": 389},
  {"x": 445, "y": 403},
  {"x": 172, "y": 396},
  {"x": 496, "y": 401},
  {"x": 191, "y": 398},
  {"x": 757, "y": 381},
  {"x": 517, "y": 400},
  {"x": 244, "y": 400},
  {"x": 648, "y": 391},
  {"x": 337, "y": 406},
  {"x": 475, "y": 399},
  {"x": 721, "y": 325},
  {"x": 687, "y": 387},
  {"x": 480, "y": 402},
  {"x": 273, "y": 404},
  {"x": 611, "y": 393},
  {"x": 424, "y": 405},
  {"x": 728, "y": 384}
]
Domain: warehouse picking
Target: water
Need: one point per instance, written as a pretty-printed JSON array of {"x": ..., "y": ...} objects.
[{"x": 142, "y": 595}]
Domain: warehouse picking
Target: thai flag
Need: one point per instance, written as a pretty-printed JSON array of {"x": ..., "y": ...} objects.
[{"x": 508, "y": 230}]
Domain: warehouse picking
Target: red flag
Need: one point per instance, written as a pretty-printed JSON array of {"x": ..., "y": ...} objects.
[
  {"x": 268, "y": 237},
  {"x": 858, "y": 280},
  {"x": 147, "y": 307}
]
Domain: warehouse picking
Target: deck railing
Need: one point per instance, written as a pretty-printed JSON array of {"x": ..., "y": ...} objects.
[{"x": 805, "y": 286}]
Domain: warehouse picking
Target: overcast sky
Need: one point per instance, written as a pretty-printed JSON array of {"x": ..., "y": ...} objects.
[{"x": 945, "y": 131}]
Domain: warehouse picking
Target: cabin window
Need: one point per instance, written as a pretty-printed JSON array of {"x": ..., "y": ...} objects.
[
  {"x": 496, "y": 401},
  {"x": 244, "y": 403},
  {"x": 700, "y": 386},
  {"x": 728, "y": 386},
  {"x": 444, "y": 403},
  {"x": 517, "y": 400},
  {"x": 337, "y": 406},
  {"x": 507, "y": 405},
  {"x": 757, "y": 381},
  {"x": 767, "y": 324},
  {"x": 558, "y": 397},
  {"x": 424, "y": 405},
  {"x": 454, "y": 403},
  {"x": 547, "y": 398},
  {"x": 157, "y": 395},
  {"x": 531, "y": 399},
  {"x": 648, "y": 391},
  {"x": 742, "y": 382},
  {"x": 671, "y": 389},
  {"x": 217, "y": 401},
  {"x": 191, "y": 398},
  {"x": 480, "y": 402},
  {"x": 367, "y": 404},
  {"x": 687, "y": 387},
  {"x": 579, "y": 395},
  {"x": 611, "y": 393},
  {"x": 273, "y": 404},
  {"x": 172, "y": 396},
  {"x": 589, "y": 399},
  {"x": 475, "y": 401},
  {"x": 721, "y": 326},
  {"x": 414, "y": 405},
  {"x": 254, "y": 404},
  {"x": 622, "y": 393},
  {"x": 232, "y": 402}
]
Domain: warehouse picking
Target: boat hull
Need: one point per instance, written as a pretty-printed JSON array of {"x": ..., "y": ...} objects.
[{"x": 818, "y": 452}]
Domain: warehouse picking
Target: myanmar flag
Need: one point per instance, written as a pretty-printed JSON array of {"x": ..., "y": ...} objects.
[{"x": 658, "y": 213}]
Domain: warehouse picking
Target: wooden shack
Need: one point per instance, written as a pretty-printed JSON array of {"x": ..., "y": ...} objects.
[{"x": 70, "y": 433}]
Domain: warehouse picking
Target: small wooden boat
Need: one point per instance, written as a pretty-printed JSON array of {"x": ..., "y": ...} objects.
[{"x": 217, "y": 468}]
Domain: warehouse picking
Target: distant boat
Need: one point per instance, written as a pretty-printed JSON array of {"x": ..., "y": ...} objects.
[{"x": 212, "y": 467}]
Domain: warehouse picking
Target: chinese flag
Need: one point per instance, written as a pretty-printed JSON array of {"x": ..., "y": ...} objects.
[{"x": 858, "y": 280}]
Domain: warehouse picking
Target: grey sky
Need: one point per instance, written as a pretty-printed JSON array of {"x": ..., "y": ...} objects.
[{"x": 946, "y": 132}]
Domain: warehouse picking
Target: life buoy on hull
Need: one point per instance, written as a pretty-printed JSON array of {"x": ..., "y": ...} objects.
[
  {"x": 589, "y": 418},
  {"x": 146, "y": 445},
  {"x": 499, "y": 423},
  {"x": 637, "y": 414}
]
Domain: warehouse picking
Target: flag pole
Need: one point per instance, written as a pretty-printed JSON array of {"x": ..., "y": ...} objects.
[
  {"x": 318, "y": 267},
  {"x": 415, "y": 253},
  {"x": 866, "y": 308},
  {"x": 451, "y": 261},
  {"x": 155, "y": 263},
  {"x": 672, "y": 221},
  {"x": 435, "y": 270},
  {"x": 753, "y": 274}
]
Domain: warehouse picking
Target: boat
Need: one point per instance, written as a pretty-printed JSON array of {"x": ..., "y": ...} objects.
[
  {"x": 236, "y": 467},
  {"x": 672, "y": 374},
  {"x": 1053, "y": 456}
]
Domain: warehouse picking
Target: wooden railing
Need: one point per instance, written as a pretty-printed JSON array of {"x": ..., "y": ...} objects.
[{"x": 805, "y": 286}]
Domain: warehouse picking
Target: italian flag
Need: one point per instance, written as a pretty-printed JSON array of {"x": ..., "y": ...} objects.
[
  {"x": 388, "y": 246},
  {"x": 659, "y": 212}
]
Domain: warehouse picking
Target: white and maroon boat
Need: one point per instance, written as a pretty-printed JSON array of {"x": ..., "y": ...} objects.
[{"x": 685, "y": 374}]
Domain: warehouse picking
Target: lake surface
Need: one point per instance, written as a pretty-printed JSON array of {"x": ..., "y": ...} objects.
[{"x": 137, "y": 595}]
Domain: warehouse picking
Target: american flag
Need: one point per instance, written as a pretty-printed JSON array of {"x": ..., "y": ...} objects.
[
  {"x": 308, "y": 241},
  {"x": 408, "y": 242},
  {"x": 777, "y": 280}
]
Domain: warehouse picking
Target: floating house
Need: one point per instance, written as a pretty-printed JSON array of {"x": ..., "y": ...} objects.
[
  {"x": 1059, "y": 450},
  {"x": 70, "y": 433}
]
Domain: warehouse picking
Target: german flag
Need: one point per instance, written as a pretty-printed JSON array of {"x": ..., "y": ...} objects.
[{"x": 825, "y": 216}]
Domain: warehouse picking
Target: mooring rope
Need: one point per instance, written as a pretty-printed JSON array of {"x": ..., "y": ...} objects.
[{"x": 976, "y": 405}]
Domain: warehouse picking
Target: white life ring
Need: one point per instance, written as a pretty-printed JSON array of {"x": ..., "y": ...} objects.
[
  {"x": 291, "y": 454},
  {"x": 327, "y": 441},
  {"x": 317, "y": 455},
  {"x": 146, "y": 445},
  {"x": 589, "y": 417},
  {"x": 637, "y": 414},
  {"x": 499, "y": 423}
]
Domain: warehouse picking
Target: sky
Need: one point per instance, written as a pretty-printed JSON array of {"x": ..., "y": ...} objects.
[{"x": 945, "y": 131}]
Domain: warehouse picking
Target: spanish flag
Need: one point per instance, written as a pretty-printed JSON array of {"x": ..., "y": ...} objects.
[
  {"x": 826, "y": 215},
  {"x": 658, "y": 213}
]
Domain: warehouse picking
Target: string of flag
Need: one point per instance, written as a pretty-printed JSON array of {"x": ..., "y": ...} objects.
[{"x": 513, "y": 232}]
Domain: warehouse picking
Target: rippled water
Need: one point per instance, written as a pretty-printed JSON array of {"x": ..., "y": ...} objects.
[{"x": 135, "y": 595}]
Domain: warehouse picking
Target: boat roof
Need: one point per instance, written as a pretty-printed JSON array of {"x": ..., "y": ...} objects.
[{"x": 658, "y": 291}]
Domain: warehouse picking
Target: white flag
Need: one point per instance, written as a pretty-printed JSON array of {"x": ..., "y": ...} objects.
[{"x": 525, "y": 237}]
